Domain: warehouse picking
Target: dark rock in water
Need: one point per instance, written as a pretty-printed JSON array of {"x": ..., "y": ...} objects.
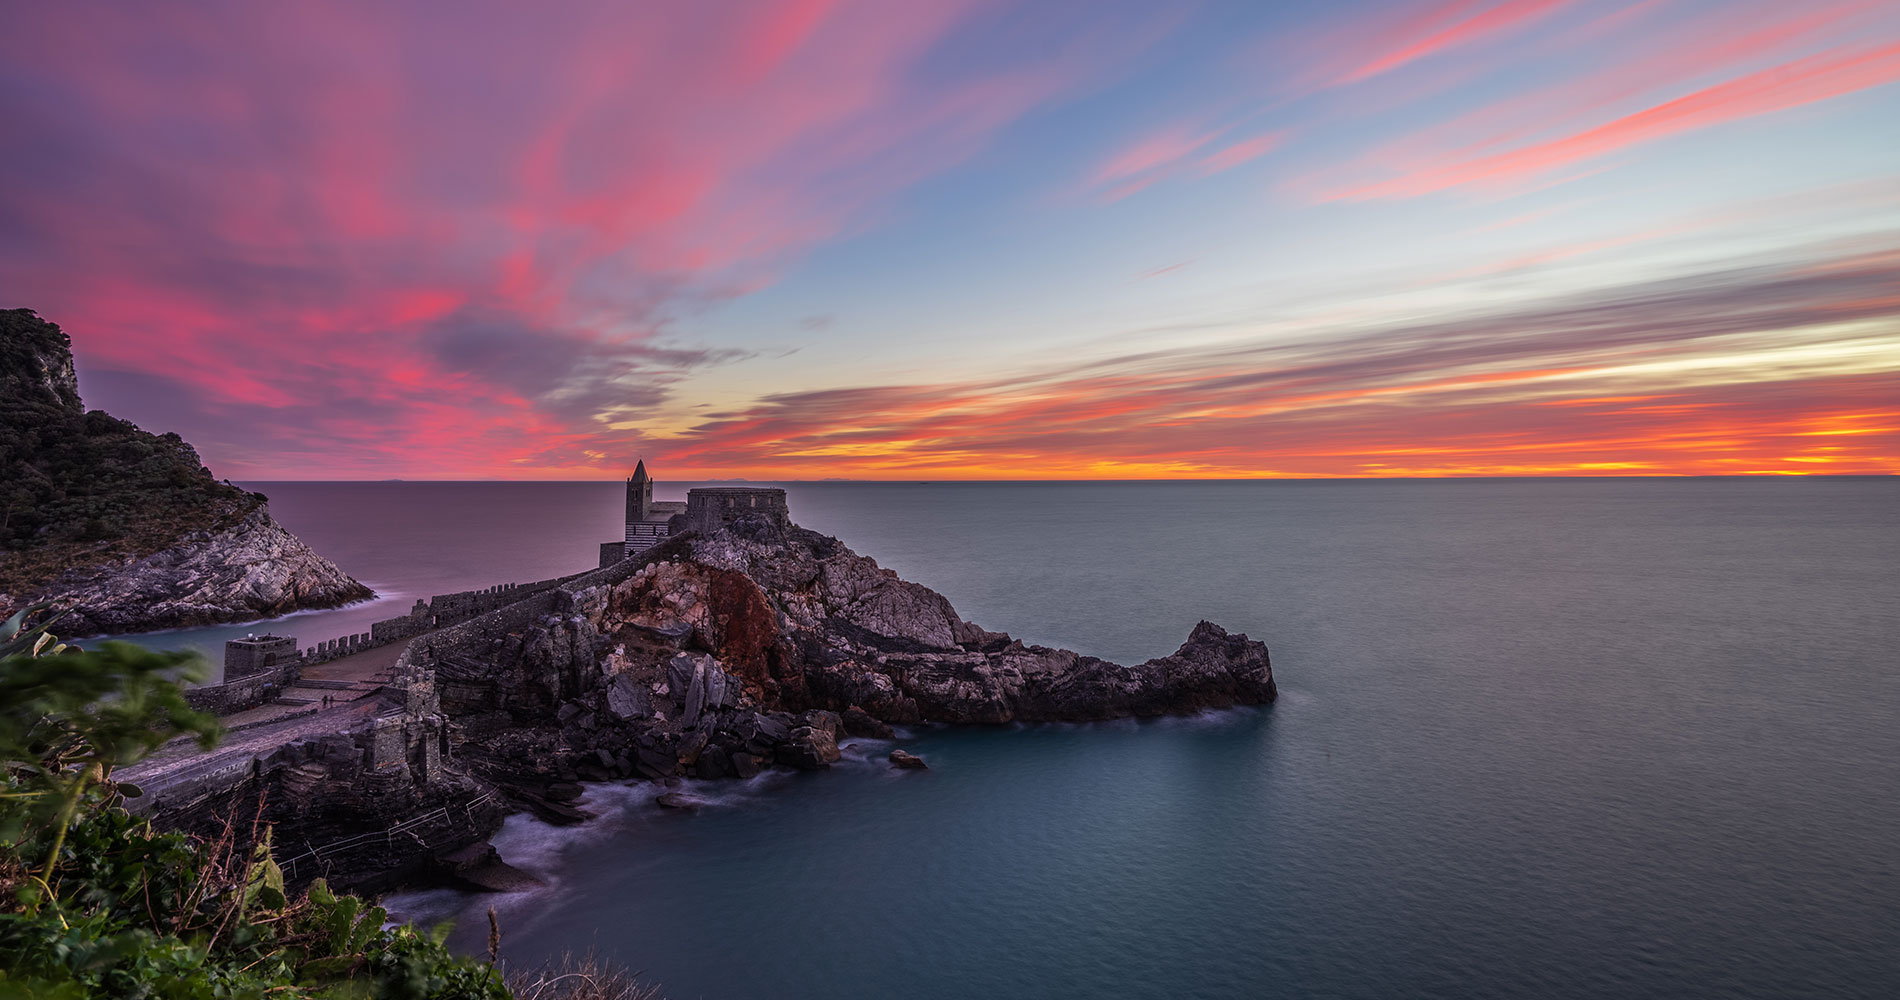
[
  {"x": 907, "y": 761},
  {"x": 714, "y": 762},
  {"x": 745, "y": 765},
  {"x": 680, "y": 800},
  {"x": 563, "y": 792},
  {"x": 809, "y": 749},
  {"x": 653, "y": 764},
  {"x": 479, "y": 866},
  {"x": 858, "y": 722}
]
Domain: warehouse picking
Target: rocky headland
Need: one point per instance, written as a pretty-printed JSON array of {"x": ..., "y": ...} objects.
[
  {"x": 128, "y": 531},
  {"x": 709, "y": 656}
]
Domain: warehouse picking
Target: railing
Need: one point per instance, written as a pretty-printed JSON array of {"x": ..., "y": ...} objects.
[{"x": 387, "y": 837}]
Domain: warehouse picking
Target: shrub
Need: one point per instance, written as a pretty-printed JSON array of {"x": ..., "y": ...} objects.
[{"x": 94, "y": 902}]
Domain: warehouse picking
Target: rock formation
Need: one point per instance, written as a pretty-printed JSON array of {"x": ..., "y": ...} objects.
[
  {"x": 712, "y": 656},
  {"x": 127, "y": 529}
]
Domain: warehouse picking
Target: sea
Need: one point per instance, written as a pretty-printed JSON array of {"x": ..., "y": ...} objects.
[{"x": 1545, "y": 738}]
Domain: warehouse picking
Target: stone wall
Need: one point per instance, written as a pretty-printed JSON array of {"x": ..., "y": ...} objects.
[
  {"x": 709, "y": 509},
  {"x": 249, "y": 691}
]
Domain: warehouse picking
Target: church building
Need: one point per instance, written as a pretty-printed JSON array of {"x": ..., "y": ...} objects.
[{"x": 707, "y": 509}]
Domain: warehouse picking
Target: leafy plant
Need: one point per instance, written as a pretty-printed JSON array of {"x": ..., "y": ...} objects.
[{"x": 94, "y": 902}]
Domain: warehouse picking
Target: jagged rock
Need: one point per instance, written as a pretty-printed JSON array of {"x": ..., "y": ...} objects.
[
  {"x": 627, "y": 698},
  {"x": 809, "y": 749},
  {"x": 746, "y": 765},
  {"x": 680, "y": 800},
  {"x": 691, "y": 747},
  {"x": 713, "y": 762},
  {"x": 252, "y": 569},
  {"x": 858, "y": 722},
  {"x": 653, "y": 763},
  {"x": 907, "y": 761},
  {"x": 126, "y": 529},
  {"x": 826, "y": 722}
]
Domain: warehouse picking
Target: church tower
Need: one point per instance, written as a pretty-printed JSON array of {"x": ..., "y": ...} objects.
[{"x": 639, "y": 499}]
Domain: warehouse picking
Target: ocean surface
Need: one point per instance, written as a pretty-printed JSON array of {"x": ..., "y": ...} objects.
[{"x": 1546, "y": 738}]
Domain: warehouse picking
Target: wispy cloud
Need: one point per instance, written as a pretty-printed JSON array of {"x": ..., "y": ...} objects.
[{"x": 1729, "y": 370}]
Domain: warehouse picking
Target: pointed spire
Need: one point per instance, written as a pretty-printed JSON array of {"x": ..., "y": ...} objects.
[{"x": 640, "y": 470}]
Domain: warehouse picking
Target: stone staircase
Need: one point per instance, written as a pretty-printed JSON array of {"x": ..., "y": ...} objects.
[{"x": 312, "y": 692}]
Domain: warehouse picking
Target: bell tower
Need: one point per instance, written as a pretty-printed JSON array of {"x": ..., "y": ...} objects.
[{"x": 639, "y": 498}]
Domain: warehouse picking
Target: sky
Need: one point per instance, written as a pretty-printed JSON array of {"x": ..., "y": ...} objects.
[{"x": 935, "y": 240}]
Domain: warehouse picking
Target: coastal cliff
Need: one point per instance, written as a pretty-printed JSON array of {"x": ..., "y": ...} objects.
[
  {"x": 761, "y": 645},
  {"x": 125, "y": 529},
  {"x": 710, "y": 656}
]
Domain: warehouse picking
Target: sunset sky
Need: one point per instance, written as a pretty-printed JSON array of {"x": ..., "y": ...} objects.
[{"x": 921, "y": 240}]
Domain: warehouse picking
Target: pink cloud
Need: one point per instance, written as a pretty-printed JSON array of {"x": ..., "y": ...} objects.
[
  {"x": 326, "y": 211},
  {"x": 1831, "y": 74},
  {"x": 1439, "y": 29}
]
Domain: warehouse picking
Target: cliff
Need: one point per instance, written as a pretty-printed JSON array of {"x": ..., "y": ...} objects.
[
  {"x": 764, "y": 645},
  {"x": 126, "y": 528}
]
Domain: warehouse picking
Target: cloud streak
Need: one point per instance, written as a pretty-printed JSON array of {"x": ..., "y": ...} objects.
[{"x": 1744, "y": 369}]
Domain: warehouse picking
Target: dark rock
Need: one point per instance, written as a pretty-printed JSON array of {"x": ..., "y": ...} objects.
[
  {"x": 653, "y": 764},
  {"x": 714, "y": 762},
  {"x": 691, "y": 747},
  {"x": 858, "y": 722},
  {"x": 563, "y": 792},
  {"x": 809, "y": 749},
  {"x": 745, "y": 765},
  {"x": 907, "y": 761},
  {"x": 680, "y": 800}
]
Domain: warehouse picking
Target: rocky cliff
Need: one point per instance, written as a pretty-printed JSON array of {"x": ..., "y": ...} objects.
[
  {"x": 764, "y": 645},
  {"x": 714, "y": 656},
  {"x": 128, "y": 529}
]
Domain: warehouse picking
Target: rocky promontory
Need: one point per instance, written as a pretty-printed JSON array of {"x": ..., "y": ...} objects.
[
  {"x": 759, "y": 645},
  {"x": 124, "y": 530},
  {"x": 764, "y": 645}
]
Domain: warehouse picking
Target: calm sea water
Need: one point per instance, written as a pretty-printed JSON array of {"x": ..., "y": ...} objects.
[{"x": 1557, "y": 738}]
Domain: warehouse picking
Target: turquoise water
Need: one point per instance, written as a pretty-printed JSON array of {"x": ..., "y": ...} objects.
[{"x": 1567, "y": 738}]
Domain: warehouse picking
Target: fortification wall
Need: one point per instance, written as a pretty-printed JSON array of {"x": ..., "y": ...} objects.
[
  {"x": 249, "y": 691},
  {"x": 252, "y": 690},
  {"x": 709, "y": 509}
]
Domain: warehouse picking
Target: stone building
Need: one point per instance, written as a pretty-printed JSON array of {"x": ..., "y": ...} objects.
[
  {"x": 647, "y": 520},
  {"x": 651, "y": 522},
  {"x": 256, "y": 653}
]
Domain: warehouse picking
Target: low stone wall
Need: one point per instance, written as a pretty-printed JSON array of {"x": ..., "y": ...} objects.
[{"x": 248, "y": 692}]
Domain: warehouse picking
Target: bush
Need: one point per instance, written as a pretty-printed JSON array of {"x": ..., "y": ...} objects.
[{"x": 94, "y": 902}]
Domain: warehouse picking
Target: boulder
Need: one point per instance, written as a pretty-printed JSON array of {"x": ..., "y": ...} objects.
[
  {"x": 745, "y": 765},
  {"x": 680, "y": 800},
  {"x": 713, "y": 762},
  {"x": 809, "y": 749},
  {"x": 907, "y": 761},
  {"x": 858, "y": 722}
]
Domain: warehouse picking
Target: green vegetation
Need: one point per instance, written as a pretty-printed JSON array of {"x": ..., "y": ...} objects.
[
  {"x": 96, "y": 903},
  {"x": 81, "y": 488}
]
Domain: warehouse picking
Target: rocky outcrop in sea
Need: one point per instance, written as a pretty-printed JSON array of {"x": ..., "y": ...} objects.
[
  {"x": 253, "y": 569},
  {"x": 761, "y": 645}
]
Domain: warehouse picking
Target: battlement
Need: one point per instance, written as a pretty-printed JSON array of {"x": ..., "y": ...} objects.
[
  {"x": 256, "y": 653},
  {"x": 712, "y": 508}
]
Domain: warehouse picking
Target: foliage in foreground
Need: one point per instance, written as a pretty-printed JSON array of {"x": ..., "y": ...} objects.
[{"x": 96, "y": 903}]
